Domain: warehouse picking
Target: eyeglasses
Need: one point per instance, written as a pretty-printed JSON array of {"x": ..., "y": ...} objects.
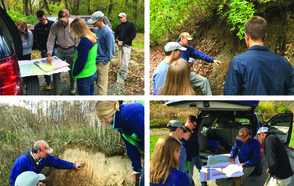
[{"x": 42, "y": 20}]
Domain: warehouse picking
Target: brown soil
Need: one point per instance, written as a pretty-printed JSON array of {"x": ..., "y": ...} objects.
[{"x": 98, "y": 169}]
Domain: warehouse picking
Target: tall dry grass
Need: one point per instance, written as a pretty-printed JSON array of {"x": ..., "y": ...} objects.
[
  {"x": 57, "y": 122},
  {"x": 161, "y": 114}
]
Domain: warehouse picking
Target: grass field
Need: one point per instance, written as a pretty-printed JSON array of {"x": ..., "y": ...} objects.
[
  {"x": 153, "y": 140},
  {"x": 292, "y": 139},
  {"x": 138, "y": 42}
]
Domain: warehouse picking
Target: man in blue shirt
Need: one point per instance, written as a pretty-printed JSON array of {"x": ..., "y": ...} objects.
[
  {"x": 173, "y": 52},
  {"x": 248, "y": 151},
  {"x": 195, "y": 79},
  {"x": 105, "y": 52},
  {"x": 36, "y": 159},
  {"x": 259, "y": 71},
  {"x": 176, "y": 129}
]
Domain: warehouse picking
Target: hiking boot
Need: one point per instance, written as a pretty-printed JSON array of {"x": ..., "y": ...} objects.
[
  {"x": 72, "y": 92},
  {"x": 120, "y": 79},
  {"x": 238, "y": 182},
  {"x": 49, "y": 86},
  {"x": 59, "y": 93}
]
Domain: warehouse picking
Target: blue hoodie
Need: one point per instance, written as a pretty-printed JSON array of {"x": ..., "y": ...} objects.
[
  {"x": 23, "y": 163},
  {"x": 130, "y": 121},
  {"x": 249, "y": 153}
]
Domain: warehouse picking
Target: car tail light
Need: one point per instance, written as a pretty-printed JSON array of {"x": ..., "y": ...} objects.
[{"x": 10, "y": 78}]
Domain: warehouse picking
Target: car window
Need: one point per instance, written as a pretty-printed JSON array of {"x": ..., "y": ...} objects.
[
  {"x": 280, "y": 124},
  {"x": 52, "y": 18}
]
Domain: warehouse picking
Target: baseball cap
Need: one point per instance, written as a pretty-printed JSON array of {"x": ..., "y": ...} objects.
[
  {"x": 43, "y": 146},
  {"x": 121, "y": 15},
  {"x": 28, "y": 178},
  {"x": 95, "y": 17},
  {"x": 262, "y": 129},
  {"x": 63, "y": 15},
  {"x": 242, "y": 133},
  {"x": 175, "y": 123},
  {"x": 186, "y": 35},
  {"x": 171, "y": 46}
]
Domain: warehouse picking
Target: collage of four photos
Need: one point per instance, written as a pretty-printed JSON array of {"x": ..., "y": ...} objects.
[{"x": 135, "y": 92}]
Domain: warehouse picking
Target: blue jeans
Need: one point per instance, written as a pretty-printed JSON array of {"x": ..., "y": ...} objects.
[
  {"x": 47, "y": 77},
  {"x": 86, "y": 85},
  {"x": 142, "y": 175},
  {"x": 197, "y": 161}
]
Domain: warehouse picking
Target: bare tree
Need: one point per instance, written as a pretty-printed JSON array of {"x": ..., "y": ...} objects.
[
  {"x": 111, "y": 6},
  {"x": 88, "y": 5},
  {"x": 25, "y": 7},
  {"x": 78, "y": 6},
  {"x": 47, "y": 7},
  {"x": 65, "y": 2},
  {"x": 135, "y": 10}
]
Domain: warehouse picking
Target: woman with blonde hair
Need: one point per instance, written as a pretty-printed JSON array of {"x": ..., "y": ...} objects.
[
  {"x": 128, "y": 119},
  {"x": 177, "y": 81},
  {"x": 32, "y": 82},
  {"x": 84, "y": 65},
  {"x": 164, "y": 162}
]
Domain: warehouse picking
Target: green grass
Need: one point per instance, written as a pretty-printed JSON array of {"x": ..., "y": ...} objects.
[
  {"x": 153, "y": 140},
  {"x": 292, "y": 139},
  {"x": 138, "y": 42}
]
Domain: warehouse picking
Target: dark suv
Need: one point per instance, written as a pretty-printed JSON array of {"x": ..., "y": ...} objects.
[
  {"x": 10, "y": 49},
  {"x": 222, "y": 120}
]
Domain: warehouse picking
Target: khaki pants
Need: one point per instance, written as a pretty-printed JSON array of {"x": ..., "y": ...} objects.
[
  {"x": 279, "y": 182},
  {"x": 247, "y": 171},
  {"x": 200, "y": 81},
  {"x": 125, "y": 58},
  {"x": 102, "y": 78}
]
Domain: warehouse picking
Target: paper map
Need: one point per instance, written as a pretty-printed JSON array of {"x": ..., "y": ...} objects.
[
  {"x": 219, "y": 166},
  {"x": 28, "y": 68},
  {"x": 56, "y": 64}
]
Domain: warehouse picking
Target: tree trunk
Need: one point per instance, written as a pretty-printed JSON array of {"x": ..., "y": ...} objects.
[
  {"x": 25, "y": 7},
  {"x": 65, "y": 2},
  {"x": 126, "y": 2},
  {"x": 89, "y": 10},
  {"x": 111, "y": 5},
  {"x": 78, "y": 6},
  {"x": 47, "y": 7},
  {"x": 135, "y": 11}
]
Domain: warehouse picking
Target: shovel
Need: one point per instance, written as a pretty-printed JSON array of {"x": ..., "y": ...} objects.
[{"x": 267, "y": 180}]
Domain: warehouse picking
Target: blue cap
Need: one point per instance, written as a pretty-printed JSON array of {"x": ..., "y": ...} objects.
[{"x": 28, "y": 178}]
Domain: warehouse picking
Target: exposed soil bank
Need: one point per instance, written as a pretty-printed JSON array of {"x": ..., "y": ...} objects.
[{"x": 98, "y": 169}]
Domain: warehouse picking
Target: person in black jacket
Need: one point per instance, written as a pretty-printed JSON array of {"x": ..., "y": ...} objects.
[
  {"x": 277, "y": 159},
  {"x": 125, "y": 33},
  {"x": 193, "y": 144},
  {"x": 41, "y": 33}
]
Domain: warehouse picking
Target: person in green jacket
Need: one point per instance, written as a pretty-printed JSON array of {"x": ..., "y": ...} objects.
[{"x": 84, "y": 65}]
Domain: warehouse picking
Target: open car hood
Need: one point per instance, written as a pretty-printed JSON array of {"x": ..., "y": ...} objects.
[{"x": 215, "y": 105}]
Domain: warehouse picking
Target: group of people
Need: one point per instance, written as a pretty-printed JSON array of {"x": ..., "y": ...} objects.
[
  {"x": 128, "y": 119},
  {"x": 174, "y": 156},
  {"x": 88, "y": 53},
  {"x": 255, "y": 72}
]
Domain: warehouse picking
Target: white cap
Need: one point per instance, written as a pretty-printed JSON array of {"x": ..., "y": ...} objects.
[
  {"x": 28, "y": 178},
  {"x": 171, "y": 46},
  {"x": 262, "y": 129}
]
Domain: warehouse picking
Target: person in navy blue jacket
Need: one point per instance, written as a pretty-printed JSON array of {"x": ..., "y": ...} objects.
[
  {"x": 196, "y": 79},
  {"x": 41, "y": 33},
  {"x": 248, "y": 151},
  {"x": 128, "y": 119},
  {"x": 259, "y": 71},
  {"x": 41, "y": 155}
]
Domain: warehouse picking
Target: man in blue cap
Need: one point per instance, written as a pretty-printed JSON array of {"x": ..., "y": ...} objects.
[
  {"x": 29, "y": 178},
  {"x": 105, "y": 52}
]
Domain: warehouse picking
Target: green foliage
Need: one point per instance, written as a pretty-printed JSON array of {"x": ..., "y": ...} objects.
[
  {"x": 237, "y": 13},
  {"x": 292, "y": 139},
  {"x": 153, "y": 140},
  {"x": 166, "y": 16},
  {"x": 15, "y": 16},
  {"x": 270, "y": 107}
]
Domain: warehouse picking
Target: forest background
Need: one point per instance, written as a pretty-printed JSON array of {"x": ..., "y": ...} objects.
[{"x": 26, "y": 9}]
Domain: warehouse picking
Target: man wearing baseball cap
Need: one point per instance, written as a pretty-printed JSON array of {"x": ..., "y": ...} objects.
[
  {"x": 176, "y": 129},
  {"x": 36, "y": 159},
  {"x": 195, "y": 79},
  {"x": 105, "y": 52},
  {"x": 173, "y": 52},
  {"x": 248, "y": 150},
  {"x": 125, "y": 33},
  {"x": 276, "y": 156},
  {"x": 67, "y": 43},
  {"x": 29, "y": 178}
]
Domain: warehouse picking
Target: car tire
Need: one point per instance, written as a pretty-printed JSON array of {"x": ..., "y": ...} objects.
[{"x": 31, "y": 85}]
